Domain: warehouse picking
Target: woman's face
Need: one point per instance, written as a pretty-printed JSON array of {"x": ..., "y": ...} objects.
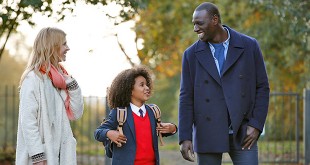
[
  {"x": 141, "y": 92},
  {"x": 64, "y": 48}
]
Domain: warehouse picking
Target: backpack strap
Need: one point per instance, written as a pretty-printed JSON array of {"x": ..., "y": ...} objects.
[
  {"x": 157, "y": 114},
  {"x": 121, "y": 118}
]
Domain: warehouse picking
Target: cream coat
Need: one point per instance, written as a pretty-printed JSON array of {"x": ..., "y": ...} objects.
[{"x": 43, "y": 125}]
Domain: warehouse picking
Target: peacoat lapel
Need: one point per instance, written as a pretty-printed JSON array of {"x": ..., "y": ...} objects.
[
  {"x": 206, "y": 60},
  {"x": 235, "y": 49}
]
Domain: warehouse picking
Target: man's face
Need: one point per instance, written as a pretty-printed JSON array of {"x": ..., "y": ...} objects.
[{"x": 203, "y": 25}]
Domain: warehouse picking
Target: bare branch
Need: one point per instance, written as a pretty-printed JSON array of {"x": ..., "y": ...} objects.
[{"x": 123, "y": 50}]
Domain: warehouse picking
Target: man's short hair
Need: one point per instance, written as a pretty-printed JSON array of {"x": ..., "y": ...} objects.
[{"x": 211, "y": 9}]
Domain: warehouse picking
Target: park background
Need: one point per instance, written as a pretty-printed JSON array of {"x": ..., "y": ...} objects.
[{"x": 107, "y": 36}]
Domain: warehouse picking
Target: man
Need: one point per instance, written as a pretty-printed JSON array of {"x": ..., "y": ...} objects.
[{"x": 224, "y": 93}]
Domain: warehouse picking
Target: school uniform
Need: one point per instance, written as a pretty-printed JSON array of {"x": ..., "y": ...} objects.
[{"x": 141, "y": 146}]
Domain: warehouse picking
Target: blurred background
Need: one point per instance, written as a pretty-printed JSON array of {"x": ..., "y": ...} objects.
[{"x": 107, "y": 36}]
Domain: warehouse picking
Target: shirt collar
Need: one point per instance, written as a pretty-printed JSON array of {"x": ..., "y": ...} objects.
[
  {"x": 225, "y": 43},
  {"x": 135, "y": 109}
]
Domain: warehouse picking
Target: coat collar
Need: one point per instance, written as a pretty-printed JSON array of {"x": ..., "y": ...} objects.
[{"x": 205, "y": 58}]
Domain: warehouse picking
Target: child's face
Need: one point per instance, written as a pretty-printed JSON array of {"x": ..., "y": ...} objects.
[{"x": 140, "y": 92}]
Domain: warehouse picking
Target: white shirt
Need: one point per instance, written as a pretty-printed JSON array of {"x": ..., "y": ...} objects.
[{"x": 136, "y": 109}]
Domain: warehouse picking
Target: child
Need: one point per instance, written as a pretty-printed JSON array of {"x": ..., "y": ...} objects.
[{"x": 139, "y": 145}]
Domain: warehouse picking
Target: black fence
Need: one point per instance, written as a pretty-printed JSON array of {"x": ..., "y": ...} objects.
[
  {"x": 282, "y": 136},
  {"x": 280, "y": 143}
]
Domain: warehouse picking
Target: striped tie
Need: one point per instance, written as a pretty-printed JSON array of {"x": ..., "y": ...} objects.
[{"x": 141, "y": 112}]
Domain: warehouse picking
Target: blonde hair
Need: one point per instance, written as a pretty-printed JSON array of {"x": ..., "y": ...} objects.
[{"x": 45, "y": 50}]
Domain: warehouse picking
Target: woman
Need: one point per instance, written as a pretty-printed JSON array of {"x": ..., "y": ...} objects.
[
  {"x": 49, "y": 98},
  {"x": 139, "y": 145}
]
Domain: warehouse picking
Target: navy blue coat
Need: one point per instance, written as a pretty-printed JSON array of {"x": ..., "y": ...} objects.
[
  {"x": 127, "y": 153},
  {"x": 205, "y": 97}
]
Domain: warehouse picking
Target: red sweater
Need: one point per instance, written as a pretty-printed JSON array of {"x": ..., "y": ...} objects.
[{"x": 145, "y": 151}]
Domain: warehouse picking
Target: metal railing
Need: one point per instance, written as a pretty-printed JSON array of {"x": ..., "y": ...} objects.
[{"x": 279, "y": 143}]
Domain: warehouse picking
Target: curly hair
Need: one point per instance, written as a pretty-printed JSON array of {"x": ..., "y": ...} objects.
[{"x": 119, "y": 93}]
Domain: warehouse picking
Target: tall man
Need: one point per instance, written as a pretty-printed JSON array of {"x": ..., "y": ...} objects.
[{"x": 224, "y": 93}]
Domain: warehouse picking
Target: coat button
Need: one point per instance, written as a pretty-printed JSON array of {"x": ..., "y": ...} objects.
[
  {"x": 208, "y": 118},
  {"x": 241, "y": 76},
  {"x": 206, "y": 81},
  {"x": 243, "y": 94},
  {"x": 207, "y": 100}
]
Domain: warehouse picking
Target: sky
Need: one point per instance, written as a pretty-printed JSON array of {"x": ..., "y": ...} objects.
[{"x": 94, "y": 58}]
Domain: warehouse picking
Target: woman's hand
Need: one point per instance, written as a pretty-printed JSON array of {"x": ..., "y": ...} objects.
[
  {"x": 67, "y": 77},
  {"x": 44, "y": 162},
  {"x": 116, "y": 137}
]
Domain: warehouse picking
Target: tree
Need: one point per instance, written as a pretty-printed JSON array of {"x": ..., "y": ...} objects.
[
  {"x": 281, "y": 28},
  {"x": 293, "y": 28},
  {"x": 166, "y": 30},
  {"x": 12, "y": 12}
]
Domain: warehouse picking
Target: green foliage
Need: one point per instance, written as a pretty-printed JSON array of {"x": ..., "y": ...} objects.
[
  {"x": 165, "y": 97},
  {"x": 164, "y": 27},
  {"x": 11, "y": 69},
  {"x": 7, "y": 157},
  {"x": 281, "y": 27},
  {"x": 166, "y": 30},
  {"x": 282, "y": 120},
  {"x": 83, "y": 128},
  {"x": 8, "y": 122}
]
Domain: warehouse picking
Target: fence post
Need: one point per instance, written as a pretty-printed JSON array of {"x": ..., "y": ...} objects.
[
  {"x": 307, "y": 126},
  {"x": 107, "y": 160}
]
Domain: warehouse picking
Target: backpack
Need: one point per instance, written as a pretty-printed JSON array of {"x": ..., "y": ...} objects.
[{"x": 121, "y": 118}]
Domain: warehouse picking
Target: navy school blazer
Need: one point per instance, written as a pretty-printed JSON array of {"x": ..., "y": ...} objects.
[{"x": 205, "y": 97}]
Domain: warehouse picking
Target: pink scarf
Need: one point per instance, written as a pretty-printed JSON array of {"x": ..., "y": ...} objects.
[{"x": 58, "y": 81}]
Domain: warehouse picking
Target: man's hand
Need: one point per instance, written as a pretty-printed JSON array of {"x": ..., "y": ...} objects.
[
  {"x": 252, "y": 135},
  {"x": 185, "y": 148}
]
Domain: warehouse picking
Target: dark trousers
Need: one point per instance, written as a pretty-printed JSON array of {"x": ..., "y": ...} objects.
[{"x": 239, "y": 157}]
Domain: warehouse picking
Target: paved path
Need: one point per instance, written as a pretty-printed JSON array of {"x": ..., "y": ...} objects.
[{"x": 166, "y": 158}]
